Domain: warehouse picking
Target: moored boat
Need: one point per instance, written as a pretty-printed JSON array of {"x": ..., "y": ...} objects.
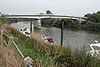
[
  {"x": 25, "y": 31},
  {"x": 48, "y": 39},
  {"x": 95, "y": 49}
]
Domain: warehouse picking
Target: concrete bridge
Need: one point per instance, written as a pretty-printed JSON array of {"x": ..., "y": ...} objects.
[
  {"x": 41, "y": 16},
  {"x": 37, "y": 18}
]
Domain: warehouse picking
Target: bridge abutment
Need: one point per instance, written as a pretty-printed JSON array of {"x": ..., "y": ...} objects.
[{"x": 37, "y": 23}]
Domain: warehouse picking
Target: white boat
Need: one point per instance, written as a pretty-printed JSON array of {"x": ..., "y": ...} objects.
[
  {"x": 95, "y": 49},
  {"x": 25, "y": 31}
]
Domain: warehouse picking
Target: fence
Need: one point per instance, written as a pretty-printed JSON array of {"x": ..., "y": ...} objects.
[{"x": 28, "y": 61}]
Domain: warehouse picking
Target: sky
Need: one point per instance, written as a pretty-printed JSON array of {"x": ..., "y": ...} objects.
[{"x": 61, "y": 7}]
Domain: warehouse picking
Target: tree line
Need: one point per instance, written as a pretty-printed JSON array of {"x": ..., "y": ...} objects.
[{"x": 92, "y": 23}]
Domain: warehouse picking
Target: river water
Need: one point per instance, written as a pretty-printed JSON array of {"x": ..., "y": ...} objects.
[{"x": 75, "y": 39}]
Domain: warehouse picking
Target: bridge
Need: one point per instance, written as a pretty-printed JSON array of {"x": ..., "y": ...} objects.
[
  {"x": 42, "y": 16},
  {"x": 37, "y": 18}
]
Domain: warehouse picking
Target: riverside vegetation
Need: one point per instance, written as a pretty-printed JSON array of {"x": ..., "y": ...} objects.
[
  {"x": 92, "y": 23},
  {"x": 45, "y": 55}
]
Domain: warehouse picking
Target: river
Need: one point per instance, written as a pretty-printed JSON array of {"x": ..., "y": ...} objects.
[{"x": 75, "y": 39}]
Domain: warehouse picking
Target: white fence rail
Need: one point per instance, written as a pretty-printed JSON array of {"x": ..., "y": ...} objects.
[{"x": 28, "y": 61}]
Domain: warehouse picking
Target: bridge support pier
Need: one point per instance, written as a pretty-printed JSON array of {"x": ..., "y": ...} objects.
[
  {"x": 31, "y": 26},
  {"x": 37, "y": 24},
  {"x": 80, "y": 20}
]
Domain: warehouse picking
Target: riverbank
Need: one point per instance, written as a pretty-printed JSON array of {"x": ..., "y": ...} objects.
[
  {"x": 9, "y": 57},
  {"x": 45, "y": 55}
]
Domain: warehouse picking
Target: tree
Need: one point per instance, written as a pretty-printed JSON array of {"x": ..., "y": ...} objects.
[
  {"x": 98, "y": 12},
  {"x": 95, "y": 17},
  {"x": 48, "y": 12}
]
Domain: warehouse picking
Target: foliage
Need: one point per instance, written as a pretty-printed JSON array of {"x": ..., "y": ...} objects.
[
  {"x": 91, "y": 26},
  {"x": 93, "y": 22},
  {"x": 2, "y": 18},
  {"x": 73, "y": 24},
  {"x": 46, "y": 55},
  {"x": 48, "y": 12},
  {"x": 95, "y": 17}
]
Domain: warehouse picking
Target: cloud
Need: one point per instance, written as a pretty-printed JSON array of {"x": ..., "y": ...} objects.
[{"x": 65, "y": 7}]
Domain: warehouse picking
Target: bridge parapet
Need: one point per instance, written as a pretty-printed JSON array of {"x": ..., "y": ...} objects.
[{"x": 43, "y": 16}]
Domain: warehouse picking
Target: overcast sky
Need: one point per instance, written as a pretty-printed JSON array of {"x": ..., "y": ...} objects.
[{"x": 63, "y": 7}]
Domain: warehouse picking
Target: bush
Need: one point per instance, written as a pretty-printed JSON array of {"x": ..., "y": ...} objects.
[{"x": 91, "y": 26}]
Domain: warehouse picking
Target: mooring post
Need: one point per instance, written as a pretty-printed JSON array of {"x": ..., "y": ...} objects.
[
  {"x": 31, "y": 26},
  {"x": 62, "y": 27}
]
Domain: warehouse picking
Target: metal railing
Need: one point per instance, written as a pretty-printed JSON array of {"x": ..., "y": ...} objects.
[{"x": 28, "y": 61}]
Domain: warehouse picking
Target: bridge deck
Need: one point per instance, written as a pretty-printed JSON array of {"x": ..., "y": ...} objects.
[{"x": 43, "y": 16}]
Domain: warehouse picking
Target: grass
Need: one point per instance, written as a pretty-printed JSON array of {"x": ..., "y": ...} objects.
[
  {"x": 45, "y": 55},
  {"x": 9, "y": 57}
]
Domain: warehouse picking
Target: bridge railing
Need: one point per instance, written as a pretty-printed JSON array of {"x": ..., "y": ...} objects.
[{"x": 7, "y": 40}]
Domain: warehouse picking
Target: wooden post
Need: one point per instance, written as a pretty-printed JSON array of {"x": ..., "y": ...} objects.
[
  {"x": 62, "y": 26},
  {"x": 31, "y": 26},
  {"x": 10, "y": 40}
]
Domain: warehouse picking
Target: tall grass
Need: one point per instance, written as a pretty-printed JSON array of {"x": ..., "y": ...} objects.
[{"x": 46, "y": 55}]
